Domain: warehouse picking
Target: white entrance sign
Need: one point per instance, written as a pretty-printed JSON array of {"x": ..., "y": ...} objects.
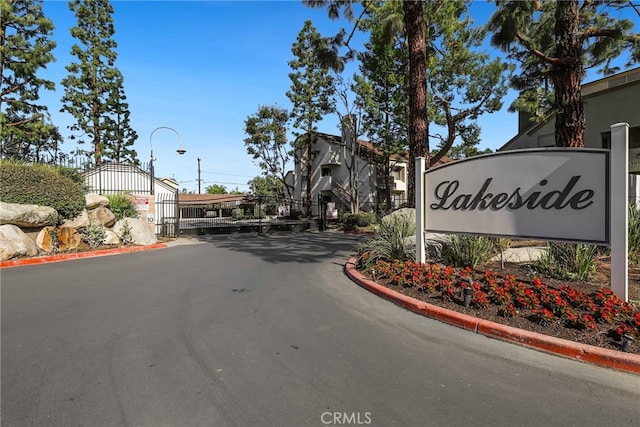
[
  {"x": 561, "y": 194},
  {"x": 551, "y": 194}
]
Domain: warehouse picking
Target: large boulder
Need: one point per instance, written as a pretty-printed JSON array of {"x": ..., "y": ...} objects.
[
  {"x": 102, "y": 215},
  {"x": 26, "y": 215},
  {"x": 93, "y": 201},
  {"x": 139, "y": 231},
  {"x": 81, "y": 221},
  {"x": 15, "y": 243},
  {"x": 68, "y": 239},
  {"x": 111, "y": 238}
]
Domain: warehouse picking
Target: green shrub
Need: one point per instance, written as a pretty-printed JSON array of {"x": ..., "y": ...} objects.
[
  {"x": 360, "y": 219},
  {"x": 468, "y": 251},
  {"x": 568, "y": 261},
  {"x": 125, "y": 233},
  {"x": 634, "y": 228},
  {"x": 41, "y": 185},
  {"x": 394, "y": 240},
  {"x": 122, "y": 205},
  {"x": 94, "y": 235},
  {"x": 237, "y": 213}
]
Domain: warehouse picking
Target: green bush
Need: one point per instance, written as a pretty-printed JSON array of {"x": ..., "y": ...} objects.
[
  {"x": 394, "y": 240},
  {"x": 125, "y": 233},
  {"x": 468, "y": 251},
  {"x": 122, "y": 205},
  {"x": 634, "y": 228},
  {"x": 568, "y": 261},
  {"x": 237, "y": 213},
  {"x": 360, "y": 219},
  {"x": 41, "y": 185},
  {"x": 295, "y": 214},
  {"x": 94, "y": 235}
]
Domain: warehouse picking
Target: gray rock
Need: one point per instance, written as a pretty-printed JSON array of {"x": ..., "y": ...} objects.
[
  {"x": 527, "y": 254},
  {"x": 93, "y": 201},
  {"x": 25, "y": 215},
  {"x": 142, "y": 233},
  {"x": 15, "y": 243}
]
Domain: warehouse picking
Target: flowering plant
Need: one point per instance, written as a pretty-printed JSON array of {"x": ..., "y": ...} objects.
[{"x": 565, "y": 306}]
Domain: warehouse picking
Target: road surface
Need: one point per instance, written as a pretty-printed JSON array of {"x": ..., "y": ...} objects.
[{"x": 240, "y": 330}]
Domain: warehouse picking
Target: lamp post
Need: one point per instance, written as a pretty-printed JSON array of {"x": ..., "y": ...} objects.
[{"x": 180, "y": 151}]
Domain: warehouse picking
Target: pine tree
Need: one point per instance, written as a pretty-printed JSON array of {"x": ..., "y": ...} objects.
[
  {"x": 94, "y": 93},
  {"x": 555, "y": 41},
  {"x": 25, "y": 49},
  {"x": 311, "y": 94},
  {"x": 382, "y": 92}
]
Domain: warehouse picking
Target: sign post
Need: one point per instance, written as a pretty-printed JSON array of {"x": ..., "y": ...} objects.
[
  {"x": 618, "y": 208},
  {"x": 420, "y": 207}
]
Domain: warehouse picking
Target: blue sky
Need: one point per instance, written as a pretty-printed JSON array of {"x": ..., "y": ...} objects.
[{"x": 202, "y": 67}]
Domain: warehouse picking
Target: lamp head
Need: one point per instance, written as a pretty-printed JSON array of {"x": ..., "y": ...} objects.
[{"x": 181, "y": 150}]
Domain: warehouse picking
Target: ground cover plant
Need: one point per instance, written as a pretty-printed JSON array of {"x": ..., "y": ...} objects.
[{"x": 591, "y": 315}]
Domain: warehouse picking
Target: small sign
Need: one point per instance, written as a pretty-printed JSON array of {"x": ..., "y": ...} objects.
[
  {"x": 142, "y": 203},
  {"x": 150, "y": 218}
]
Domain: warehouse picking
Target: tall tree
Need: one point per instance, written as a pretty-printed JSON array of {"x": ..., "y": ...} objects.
[
  {"x": 311, "y": 94},
  {"x": 418, "y": 123},
  {"x": 382, "y": 93},
  {"x": 555, "y": 41},
  {"x": 464, "y": 81},
  {"x": 268, "y": 186},
  {"x": 267, "y": 142},
  {"x": 119, "y": 134},
  {"x": 93, "y": 89},
  {"x": 356, "y": 156},
  {"x": 216, "y": 189},
  {"x": 25, "y": 49}
]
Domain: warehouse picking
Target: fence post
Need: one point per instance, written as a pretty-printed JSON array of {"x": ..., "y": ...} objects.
[{"x": 618, "y": 209}]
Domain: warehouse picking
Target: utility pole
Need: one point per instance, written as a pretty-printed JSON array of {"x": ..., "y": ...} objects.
[{"x": 199, "y": 180}]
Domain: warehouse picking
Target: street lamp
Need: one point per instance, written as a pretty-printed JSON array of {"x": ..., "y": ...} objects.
[{"x": 180, "y": 151}]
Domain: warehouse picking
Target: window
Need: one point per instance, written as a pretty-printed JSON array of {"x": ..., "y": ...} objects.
[{"x": 326, "y": 171}]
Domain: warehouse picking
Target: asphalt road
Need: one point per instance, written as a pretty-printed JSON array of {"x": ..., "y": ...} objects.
[{"x": 266, "y": 331}]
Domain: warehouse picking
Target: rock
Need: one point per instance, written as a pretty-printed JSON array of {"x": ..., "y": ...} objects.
[
  {"x": 81, "y": 221},
  {"x": 433, "y": 243},
  {"x": 93, "y": 201},
  {"x": 112, "y": 238},
  {"x": 102, "y": 215},
  {"x": 407, "y": 212},
  {"x": 141, "y": 232},
  {"x": 26, "y": 215},
  {"x": 68, "y": 239},
  {"x": 15, "y": 243},
  {"x": 526, "y": 254}
]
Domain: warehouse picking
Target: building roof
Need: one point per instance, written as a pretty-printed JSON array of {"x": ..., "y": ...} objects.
[
  {"x": 369, "y": 149},
  {"x": 588, "y": 90}
]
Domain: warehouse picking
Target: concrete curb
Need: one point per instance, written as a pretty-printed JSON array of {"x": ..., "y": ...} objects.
[
  {"x": 78, "y": 255},
  {"x": 586, "y": 353}
]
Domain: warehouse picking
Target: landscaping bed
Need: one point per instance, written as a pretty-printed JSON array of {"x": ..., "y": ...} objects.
[{"x": 519, "y": 296}]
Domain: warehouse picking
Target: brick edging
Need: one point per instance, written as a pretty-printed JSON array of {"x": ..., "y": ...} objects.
[
  {"x": 583, "y": 352},
  {"x": 78, "y": 255}
]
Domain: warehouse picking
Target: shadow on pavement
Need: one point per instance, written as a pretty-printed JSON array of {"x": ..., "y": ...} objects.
[{"x": 283, "y": 247}]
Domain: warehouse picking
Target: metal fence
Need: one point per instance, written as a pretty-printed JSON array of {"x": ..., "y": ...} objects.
[{"x": 251, "y": 213}]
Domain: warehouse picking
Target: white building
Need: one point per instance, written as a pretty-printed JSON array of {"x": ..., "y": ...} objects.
[
  {"x": 330, "y": 177},
  {"x": 607, "y": 101}
]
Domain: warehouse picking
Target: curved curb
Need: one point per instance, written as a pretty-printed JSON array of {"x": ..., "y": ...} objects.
[
  {"x": 583, "y": 352},
  {"x": 78, "y": 255}
]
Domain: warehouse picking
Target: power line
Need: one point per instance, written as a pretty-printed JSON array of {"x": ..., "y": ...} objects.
[{"x": 228, "y": 174}]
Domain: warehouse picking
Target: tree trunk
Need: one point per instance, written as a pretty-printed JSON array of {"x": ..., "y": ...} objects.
[
  {"x": 567, "y": 75},
  {"x": 418, "y": 142}
]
